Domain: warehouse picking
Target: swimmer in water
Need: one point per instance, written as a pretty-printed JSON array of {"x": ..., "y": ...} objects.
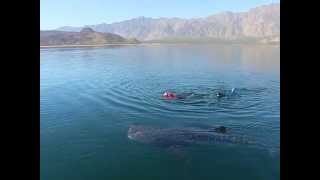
[
  {"x": 220, "y": 94},
  {"x": 169, "y": 95},
  {"x": 173, "y": 96}
]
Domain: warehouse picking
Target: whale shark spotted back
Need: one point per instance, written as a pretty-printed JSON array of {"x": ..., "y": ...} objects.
[{"x": 182, "y": 136}]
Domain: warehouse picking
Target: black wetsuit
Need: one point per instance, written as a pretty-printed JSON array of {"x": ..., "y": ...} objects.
[{"x": 220, "y": 94}]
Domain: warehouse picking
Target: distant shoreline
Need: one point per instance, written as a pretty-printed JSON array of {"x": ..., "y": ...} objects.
[
  {"x": 155, "y": 43},
  {"x": 86, "y": 45}
]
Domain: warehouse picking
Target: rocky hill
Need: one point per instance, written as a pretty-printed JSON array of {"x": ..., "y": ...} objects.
[{"x": 86, "y": 36}]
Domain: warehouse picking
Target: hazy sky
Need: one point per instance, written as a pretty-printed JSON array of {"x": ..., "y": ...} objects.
[{"x": 57, "y": 13}]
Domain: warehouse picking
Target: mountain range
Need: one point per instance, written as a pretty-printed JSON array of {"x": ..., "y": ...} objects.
[
  {"x": 262, "y": 22},
  {"x": 86, "y": 36}
]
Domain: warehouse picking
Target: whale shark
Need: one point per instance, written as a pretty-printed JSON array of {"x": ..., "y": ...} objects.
[{"x": 171, "y": 137}]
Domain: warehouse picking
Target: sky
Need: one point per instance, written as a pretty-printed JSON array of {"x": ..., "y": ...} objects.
[{"x": 57, "y": 13}]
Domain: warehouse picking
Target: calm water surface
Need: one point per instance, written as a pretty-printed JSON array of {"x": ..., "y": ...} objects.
[{"x": 90, "y": 96}]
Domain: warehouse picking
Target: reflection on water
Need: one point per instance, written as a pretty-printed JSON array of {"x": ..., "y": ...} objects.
[
  {"x": 91, "y": 96},
  {"x": 261, "y": 58}
]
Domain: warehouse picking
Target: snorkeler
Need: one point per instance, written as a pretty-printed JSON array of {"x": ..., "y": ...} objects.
[
  {"x": 220, "y": 94},
  {"x": 173, "y": 96},
  {"x": 169, "y": 95}
]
